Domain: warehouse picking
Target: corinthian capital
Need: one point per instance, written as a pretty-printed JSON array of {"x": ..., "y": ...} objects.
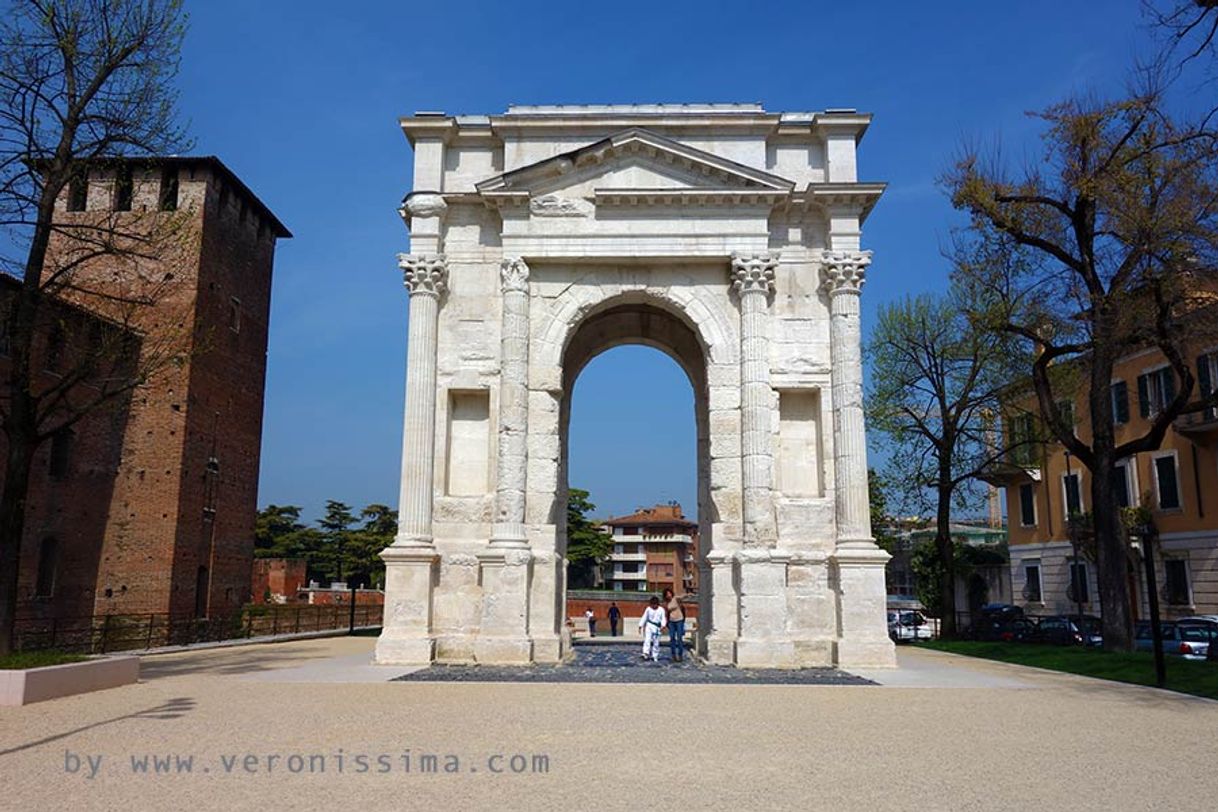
[
  {"x": 424, "y": 273},
  {"x": 753, "y": 272},
  {"x": 844, "y": 271},
  {"x": 514, "y": 274}
]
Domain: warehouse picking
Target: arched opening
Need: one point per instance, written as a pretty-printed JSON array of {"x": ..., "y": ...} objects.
[{"x": 674, "y": 552}]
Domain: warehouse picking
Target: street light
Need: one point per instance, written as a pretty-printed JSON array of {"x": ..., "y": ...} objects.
[{"x": 1143, "y": 542}]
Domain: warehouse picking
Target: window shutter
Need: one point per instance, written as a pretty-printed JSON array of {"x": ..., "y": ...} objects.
[
  {"x": 1203, "y": 375},
  {"x": 1144, "y": 395},
  {"x": 1120, "y": 402}
]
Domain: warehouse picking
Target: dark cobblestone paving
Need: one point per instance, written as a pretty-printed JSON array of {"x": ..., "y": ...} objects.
[{"x": 620, "y": 663}]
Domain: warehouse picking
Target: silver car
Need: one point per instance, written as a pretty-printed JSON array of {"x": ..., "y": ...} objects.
[{"x": 1192, "y": 642}]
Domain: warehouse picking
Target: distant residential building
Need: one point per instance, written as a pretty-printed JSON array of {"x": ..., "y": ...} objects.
[{"x": 654, "y": 549}]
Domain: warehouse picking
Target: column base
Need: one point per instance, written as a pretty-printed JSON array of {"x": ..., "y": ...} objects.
[
  {"x": 866, "y": 654},
  {"x": 765, "y": 653},
  {"x": 720, "y": 651},
  {"x": 547, "y": 649},
  {"x": 404, "y": 651},
  {"x": 503, "y": 651},
  {"x": 815, "y": 653}
]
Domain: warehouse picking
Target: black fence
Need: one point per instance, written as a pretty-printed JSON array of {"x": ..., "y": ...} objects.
[{"x": 98, "y": 634}]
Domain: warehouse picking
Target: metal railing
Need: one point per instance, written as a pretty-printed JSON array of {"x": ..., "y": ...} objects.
[{"x": 98, "y": 634}]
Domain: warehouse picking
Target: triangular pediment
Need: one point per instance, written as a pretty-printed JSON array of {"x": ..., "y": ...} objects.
[{"x": 634, "y": 160}]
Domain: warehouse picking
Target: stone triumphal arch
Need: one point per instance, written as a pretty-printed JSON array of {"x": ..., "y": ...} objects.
[{"x": 726, "y": 236}]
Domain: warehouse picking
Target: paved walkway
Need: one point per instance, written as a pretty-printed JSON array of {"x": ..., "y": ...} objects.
[
  {"x": 292, "y": 723},
  {"x": 605, "y": 662}
]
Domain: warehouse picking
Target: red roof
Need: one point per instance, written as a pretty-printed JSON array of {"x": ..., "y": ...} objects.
[{"x": 660, "y": 514}]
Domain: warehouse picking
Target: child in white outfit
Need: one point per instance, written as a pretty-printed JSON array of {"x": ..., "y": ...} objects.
[{"x": 652, "y": 622}]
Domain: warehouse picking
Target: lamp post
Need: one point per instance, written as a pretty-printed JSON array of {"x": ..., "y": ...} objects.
[
  {"x": 1072, "y": 529},
  {"x": 1147, "y": 532}
]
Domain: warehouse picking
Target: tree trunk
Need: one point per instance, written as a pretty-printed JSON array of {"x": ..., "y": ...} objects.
[
  {"x": 947, "y": 560},
  {"x": 12, "y": 530},
  {"x": 1112, "y": 565}
]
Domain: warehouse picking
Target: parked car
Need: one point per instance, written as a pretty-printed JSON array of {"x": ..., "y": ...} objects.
[
  {"x": 1062, "y": 630},
  {"x": 1019, "y": 630},
  {"x": 1192, "y": 642},
  {"x": 907, "y": 625},
  {"x": 991, "y": 619}
]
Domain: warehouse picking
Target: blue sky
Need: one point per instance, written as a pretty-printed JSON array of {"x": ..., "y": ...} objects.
[{"x": 301, "y": 99}]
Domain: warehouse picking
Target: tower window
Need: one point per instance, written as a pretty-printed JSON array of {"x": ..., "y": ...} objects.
[
  {"x": 123, "y": 188},
  {"x": 48, "y": 562},
  {"x": 78, "y": 192},
  {"x": 169, "y": 189},
  {"x": 234, "y": 314},
  {"x": 61, "y": 454}
]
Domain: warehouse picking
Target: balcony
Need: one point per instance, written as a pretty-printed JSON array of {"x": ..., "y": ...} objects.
[
  {"x": 1008, "y": 472},
  {"x": 619, "y": 575},
  {"x": 628, "y": 557},
  {"x": 1200, "y": 427}
]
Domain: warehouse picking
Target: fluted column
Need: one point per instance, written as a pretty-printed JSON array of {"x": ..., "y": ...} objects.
[
  {"x": 753, "y": 281},
  {"x": 859, "y": 564},
  {"x": 509, "y": 530},
  {"x": 844, "y": 273},
  {"x": 425, "y": 277},
  {"x": 410, "y": 562}
]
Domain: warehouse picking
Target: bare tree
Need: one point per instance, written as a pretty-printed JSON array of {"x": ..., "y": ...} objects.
[
  {"x": 81, "y": 82},
  {"x": 1116, "y": 232},
  {"x": 1187, "y": 26}
]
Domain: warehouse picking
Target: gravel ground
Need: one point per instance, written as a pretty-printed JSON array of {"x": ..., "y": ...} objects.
[{"x": 964, "y": 735}]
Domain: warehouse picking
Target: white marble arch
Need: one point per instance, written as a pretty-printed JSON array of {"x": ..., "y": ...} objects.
[{"x": 727, "y": 237}]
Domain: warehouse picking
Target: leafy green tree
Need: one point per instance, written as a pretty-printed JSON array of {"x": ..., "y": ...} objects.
[
  {"x": 882, "y": 523},
  {"x": 935, "y": 381},
  {"x": 587, "y": 544},
  {"x": 364, "y": 545},
  {"x": 336, "y": 530},
  {"x": 274, "y": 526}
]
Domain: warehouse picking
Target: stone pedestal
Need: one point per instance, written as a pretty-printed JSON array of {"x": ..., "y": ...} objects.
[
  {"x": 410, "y": 573},
  {"x": 811, "y": 610},
  {"x": 503, "y": 637},
  {"x": 862, "y": 608},
  {"x": 764, "y": 640},
  {"x": 719, "y": 645}
]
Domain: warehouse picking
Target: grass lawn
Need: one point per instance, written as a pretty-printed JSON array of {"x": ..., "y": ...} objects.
[
  {"x": 1185, "y": 676},
  {"x": 37, "y": 659}
]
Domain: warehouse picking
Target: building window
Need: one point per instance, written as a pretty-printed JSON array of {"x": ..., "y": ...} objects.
[
  {"x": 55, "y": 346},
  {"x": 201, "y": 585},
  {"x": 1175, "y": 585},
  {"x": 1027, "y": 505},
  {"x": 1073, "y": 495},
  {"x": 617, "y": 549},
  {"x": 1066, "y": 409},
  {"x": 123, "y": 188},
  {"x": 78, "y": 192},
  {"x": 642, "y": 587},
  {"x": 234, "y": 314},
  {"x": 630, "y": 531},
  {"x": 169, "y": 189},
  {"x": 1120, "y": 402},
  {"x": 48, "y": 563},
  {"x": 1155, "y": 390},
  {"x": 630, "y": 567},
  {"x": 1031, "y": 582},
  {"x": 1021, "y": 437},
  {"x": 1077, "y": 592},
  {"x": 1207, "y": 380},
  {"x": 61, "y": 454},
  {"x": 1167, "y": 484},
  {"x": 1122, "y": 483}
]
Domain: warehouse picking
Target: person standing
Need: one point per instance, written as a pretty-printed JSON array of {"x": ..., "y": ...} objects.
[
  {"x": 676, "y": 625},
  {"x": 652, "y": 625},
  {"x": 591, "y": 617},
  {"x": 615, "y": 618}
]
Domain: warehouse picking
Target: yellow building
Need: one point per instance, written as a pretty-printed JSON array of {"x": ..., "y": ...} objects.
[{"x": 1178, "y": 483}]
